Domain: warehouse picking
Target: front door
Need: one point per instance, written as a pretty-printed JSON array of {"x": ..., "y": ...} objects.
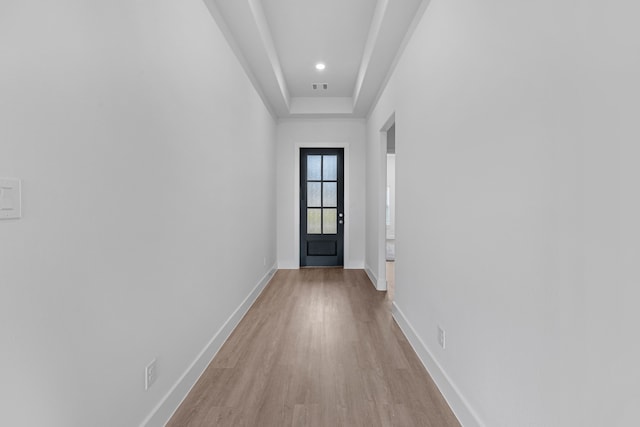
[{"x": 321, "y": 207}]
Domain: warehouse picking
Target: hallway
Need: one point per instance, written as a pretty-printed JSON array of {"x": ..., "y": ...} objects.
[{"x": 318, "y": 348}]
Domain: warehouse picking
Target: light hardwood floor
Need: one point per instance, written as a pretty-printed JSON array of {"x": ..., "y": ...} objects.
[{"x": 318, "y": 348}]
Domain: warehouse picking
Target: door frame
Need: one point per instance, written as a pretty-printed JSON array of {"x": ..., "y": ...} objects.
[
  {"x": 296, "y": 197},
  {"x": 381, "y": 282}
]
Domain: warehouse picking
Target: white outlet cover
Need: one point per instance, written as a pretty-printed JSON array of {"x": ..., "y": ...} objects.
[
  {"x": 441, "y": 338},
  {"x": 150, "y": 374},
  {"x": 10, "y": 198}
]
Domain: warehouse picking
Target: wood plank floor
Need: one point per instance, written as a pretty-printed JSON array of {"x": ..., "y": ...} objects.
[{"x": 318, "y": 348}]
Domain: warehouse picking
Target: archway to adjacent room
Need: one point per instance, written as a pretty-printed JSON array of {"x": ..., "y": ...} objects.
[
  {"x": 386, "y": 208},
  {"x": 390, "y": 210}
]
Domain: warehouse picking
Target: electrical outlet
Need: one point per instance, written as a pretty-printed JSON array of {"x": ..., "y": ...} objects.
[
  {"x": 150, "y": 374},
  {"x": 264, "y": 261},
  {"x": 10, "y": 205},
  {"x": 441, "y": 338}
]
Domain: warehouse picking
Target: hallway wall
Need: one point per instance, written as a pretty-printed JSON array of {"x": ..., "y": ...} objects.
[
  {"x": 517, "y": 209},
  {"x": 313, "y": 132},
  {"x": 149, "y": 204}
]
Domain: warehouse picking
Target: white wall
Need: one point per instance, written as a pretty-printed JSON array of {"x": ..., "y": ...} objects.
[
  {"x": 293, "y": 133},
  {"x": 517, "y": 210},
  {"x": 149, "y": 204}
]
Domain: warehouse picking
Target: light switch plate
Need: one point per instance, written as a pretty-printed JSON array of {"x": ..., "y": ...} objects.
[{"x": 10, "y": 198}]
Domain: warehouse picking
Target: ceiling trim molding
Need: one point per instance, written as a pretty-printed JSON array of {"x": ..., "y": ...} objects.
[
  {"x": 340, "y": 106},
  {"x": 214, "y": 11},
  {"x": 248, "y": 31},
  {"x": 372, "y": 39},
  {"x": 422, "y": 8},
  {"x": 270, "y": 48}
]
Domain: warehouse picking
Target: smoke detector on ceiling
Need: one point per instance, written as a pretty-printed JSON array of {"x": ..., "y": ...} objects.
[{"x": 319, "y": 86}]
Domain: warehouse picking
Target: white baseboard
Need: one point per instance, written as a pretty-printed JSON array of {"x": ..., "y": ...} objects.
[
  {"x": 162, "y": 413},
  {"x": 354, "y": 266},
  {"x": 459, "y": 405},
  {"x": 347, "y": 266}
]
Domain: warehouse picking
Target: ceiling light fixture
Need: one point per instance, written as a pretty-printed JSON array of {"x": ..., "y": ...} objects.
[{"x": 320, "y": 66}]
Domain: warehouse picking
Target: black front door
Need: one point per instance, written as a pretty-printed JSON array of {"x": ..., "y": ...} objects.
[{"x": 321, "y": 207}]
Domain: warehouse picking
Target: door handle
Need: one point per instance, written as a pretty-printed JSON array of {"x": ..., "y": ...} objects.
[{"x": 341, "y": 216}]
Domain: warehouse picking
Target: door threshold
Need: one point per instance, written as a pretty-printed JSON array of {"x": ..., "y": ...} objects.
[{"x": 323, "y": 266}]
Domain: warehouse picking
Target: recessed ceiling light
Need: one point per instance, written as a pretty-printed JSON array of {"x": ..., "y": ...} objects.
[{"x": 320, "y": 66}]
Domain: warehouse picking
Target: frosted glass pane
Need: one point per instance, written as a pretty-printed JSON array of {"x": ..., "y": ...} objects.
[
  {"x": 313, "y": 194},
  {"x": 314, "y": 221},
  {"x": 314, "y": 164},
  {"x": 330, "y": 168},
  {"x": 330, "y": 221},
  {"x": 329, "y": 194}
]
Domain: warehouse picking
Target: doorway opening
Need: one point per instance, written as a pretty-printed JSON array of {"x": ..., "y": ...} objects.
[
  {"x": 390, "y": 211},
  {"x": 322, "y": 207}
]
